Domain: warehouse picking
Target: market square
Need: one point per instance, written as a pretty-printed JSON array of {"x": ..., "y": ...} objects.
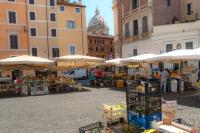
[{"x": 99, "y": 66}]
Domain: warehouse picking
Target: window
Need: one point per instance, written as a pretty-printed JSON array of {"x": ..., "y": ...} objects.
[
  {"x": 34, "y": 52},
  {"x": 169, "y": 47},
  {"x": 91, "y": 48},
  {"x": 53, "y": 32},
  {"x": 135, "y": 27},
  {"x": 90, "y": 40},
  {"x": 189, "y": 45},
  {"x": 145, "y": 24},
  {"x": 33, "y": 32},
  {"x": 31, "y": 1},
  {"x": 78, "y": 10},
  {"x": 11, "y": 0},
  {"x": 168, "y": 2},
  {"x": 111, "y": 50},
  {"x": 55, "y": 52},
  {"x": 72, "y": 49},
  {"x": 135, "y": 52},
  {"x": 62, "y": 8},
  {"x": 134, "y": 4},
  {"x": 102, "y": 49},
  {"x": 189, "y": 9},
  {"x": 52, "y": 16},
  {"x": 97, "y": 49},
  {"x": 110, "y": 42},
  {"x": 12, "y": 17},
  {"x": 127, "y": 33},
  {"x": 13, "y": 38},
  {"x": 32, "y": 15},
  {"x": 71, "y": 24},
  {"x": 52, "y": 3}
]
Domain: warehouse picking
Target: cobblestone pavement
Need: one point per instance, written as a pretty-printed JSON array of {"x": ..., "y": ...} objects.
[
  {"x": 188, "y": 107},
  {"x": 65, "y": 113}
]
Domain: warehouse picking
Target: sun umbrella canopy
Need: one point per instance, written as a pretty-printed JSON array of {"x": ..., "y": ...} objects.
[
  {"x": 139, "y": 58},
  {"x": 26, "y": 60},
  {"x": 117, "y": 61},
  {"x": 78, "y": 60},
  {"x": 184, "y": 54}
]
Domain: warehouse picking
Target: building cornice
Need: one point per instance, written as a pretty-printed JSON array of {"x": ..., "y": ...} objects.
[{"x": 103, "y": 36}]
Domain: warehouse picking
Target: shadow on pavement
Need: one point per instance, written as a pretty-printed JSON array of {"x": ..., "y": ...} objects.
[
  {"x": 189, "y": 98},
  {"x": 12, "y": 95}
]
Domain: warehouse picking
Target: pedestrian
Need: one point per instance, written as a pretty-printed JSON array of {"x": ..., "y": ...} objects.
[
  {"x": 157, "y": 75},
  {"x": 164, "y": 77},
  {"x": 198, "y": 76}
]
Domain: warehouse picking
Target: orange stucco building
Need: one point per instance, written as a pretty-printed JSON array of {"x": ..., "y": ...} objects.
[
  {"x": 13, "y": 28},
  {"x": 45, "y": 28}
]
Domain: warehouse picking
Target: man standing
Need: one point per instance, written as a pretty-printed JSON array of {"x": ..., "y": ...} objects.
[
  {"x": 198, "y": 76},
  {"x": 164, "y": 77}
]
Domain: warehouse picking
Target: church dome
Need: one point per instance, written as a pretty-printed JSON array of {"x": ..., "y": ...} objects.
[{"x": 97, "y": 25}]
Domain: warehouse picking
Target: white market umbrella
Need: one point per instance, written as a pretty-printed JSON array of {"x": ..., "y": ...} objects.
[
  {"x": 139, "y": 58},
  {"x": 78, "y": 61},
  {"x": 176, "y": 55},
  {"x": 196, "y": 53},
  {"x": 114, "y": 62},
  {"x": 26, "y": 60}
]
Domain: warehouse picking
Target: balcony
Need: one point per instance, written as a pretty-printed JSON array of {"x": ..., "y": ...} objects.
[
  {"x": 127, "y": 39},
  {"x": 145, "y": 35},
  {"x": 62, "y": 2},
  {"x": 135, "y": 38}
]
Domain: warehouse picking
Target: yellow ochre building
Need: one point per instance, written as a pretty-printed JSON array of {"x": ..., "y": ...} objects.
[{"x": 45, "y": 28}]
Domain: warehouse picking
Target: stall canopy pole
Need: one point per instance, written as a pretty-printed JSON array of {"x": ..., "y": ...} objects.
[
  {"x": 75, "y": 72},
  {"x": 179, "y": 66}
]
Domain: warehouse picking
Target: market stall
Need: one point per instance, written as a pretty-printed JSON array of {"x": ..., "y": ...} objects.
[
  {"x": 138, "y": 67},
  {"x": 182, "y": 73},
  {"x": 77, "y": 61},
  {"x": 118, "y": 74},
  {"x": 26, "y": 82}
]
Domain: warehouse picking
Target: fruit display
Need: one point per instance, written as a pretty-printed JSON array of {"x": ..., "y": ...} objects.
[
  {"x": 60, "y": 81},
  {"x": 150, "y": 131},
  {"x": 119, "y": 75},
  {"x": 196, "y": 85},
  {"x": 175, "y": 75}
]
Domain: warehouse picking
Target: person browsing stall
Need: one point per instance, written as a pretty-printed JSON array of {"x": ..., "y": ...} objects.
[{"x": 163, "y": 79}]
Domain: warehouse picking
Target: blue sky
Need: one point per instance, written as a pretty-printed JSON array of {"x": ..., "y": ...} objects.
[{"x": 105, "y": 7}]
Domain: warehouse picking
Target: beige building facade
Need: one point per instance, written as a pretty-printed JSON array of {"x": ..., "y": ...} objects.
[
  {"x": 190, "y": 10},
  {"x": 139, "y": 17},
  {"x": 166, "y": 38}
]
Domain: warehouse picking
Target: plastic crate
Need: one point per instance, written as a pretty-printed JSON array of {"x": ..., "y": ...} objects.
[
  {"x": 143, "y": 97},
  {"x": 92, "y": 128},
  {"x": 143, "y": 121}
]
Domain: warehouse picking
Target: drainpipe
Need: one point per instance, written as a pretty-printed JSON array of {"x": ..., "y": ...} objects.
[
  {"x": 47, "y": 26},
  {"x": 121, "y": 38},
  {"x": 27, "y": 30},
  {"x": 82, "y": 29}
]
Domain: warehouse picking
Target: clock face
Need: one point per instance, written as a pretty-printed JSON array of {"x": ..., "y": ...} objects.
[{"x": 178, "y": 46}]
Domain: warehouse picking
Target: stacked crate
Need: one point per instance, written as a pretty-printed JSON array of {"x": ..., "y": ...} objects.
[
  {"x": 143, "y": 103},
  {"x": 113, "y": 112}
]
